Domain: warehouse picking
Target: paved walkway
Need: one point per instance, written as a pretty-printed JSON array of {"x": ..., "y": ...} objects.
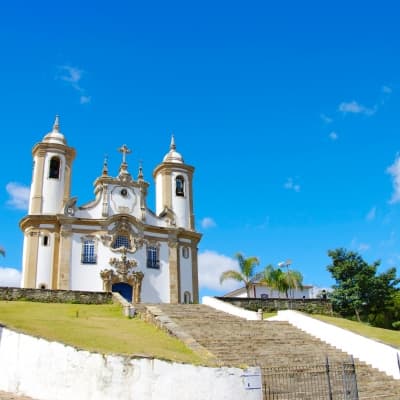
[{"x": 10, "y": 396}]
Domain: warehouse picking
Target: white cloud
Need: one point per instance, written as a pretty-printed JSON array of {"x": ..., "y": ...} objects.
[
  {"x": 326, "y": 119},
  {"x": 355, "y": 108},
  {"x": 10, "y": 277},
  {"x": 394, "y": 171},
  {"x": 290, "y": 185},
  {"x": 73, "y": 76},
  {"x": 371, "y": 214},
  {"x": 207, "y": 222},
  {"x": 387, "y": 89},
  {"x": 85, "y": 99},
  {"x": 363, "y": 247},
  {"x": 19, "y": 195},
  {"x": 211, "y": 266},
  {"x": 333, "y": 135}
]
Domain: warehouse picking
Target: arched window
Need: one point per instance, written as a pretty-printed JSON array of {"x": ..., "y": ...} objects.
[
  {"x": 121, "y": 241},
  {"x": 180, "y": 185},
  {"x": 152, "y": 257},
  {"x": 54, "y": 170},
  {"x": 89, "y": 255},
  {"x": 186, "y": 297}
]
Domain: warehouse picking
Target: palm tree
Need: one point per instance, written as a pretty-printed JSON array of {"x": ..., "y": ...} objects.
[
  {"x": 2, "y": 251},
  {"x": 246, "y": 274},
  {"x": 281, "y": 281}
]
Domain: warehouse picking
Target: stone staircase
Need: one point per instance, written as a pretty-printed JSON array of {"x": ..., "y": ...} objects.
[{"x": 237, "y": 342}]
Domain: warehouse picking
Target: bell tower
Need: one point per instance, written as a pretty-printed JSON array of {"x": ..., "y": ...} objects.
[
  {"x": 174, "y": 190},
  {"x": 50, "y": 190},
  {"x": 51, "y": 181}
]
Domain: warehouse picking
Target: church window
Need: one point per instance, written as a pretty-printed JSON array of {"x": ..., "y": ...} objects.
[
  {"x": 186, "y": 297},
  {"x": 122, "y": 241},
  {"x": 152, "y": 257},
  {"x": 89, "y": 255},
  {"x": 45, "y": 240},
  {"x": 54, "y": 171},
  {"x": 185, "y": 252},
  {"x": 180, "y": 186}
]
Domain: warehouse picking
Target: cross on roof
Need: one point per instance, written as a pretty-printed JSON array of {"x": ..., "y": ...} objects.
[{"x": 124, "y": 150}]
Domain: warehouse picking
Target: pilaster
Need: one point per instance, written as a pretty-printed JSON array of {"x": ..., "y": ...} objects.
[
  {"x": 174, "y": 271},
  {"x": 31, "y": 259},
  {"x": 195, "y": 275},
  {"x": 64, "y": 261}
]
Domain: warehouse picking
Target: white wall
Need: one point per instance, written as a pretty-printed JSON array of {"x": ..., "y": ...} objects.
[
  {"x": 229, "y": 308},
  {"x": 378, "y": 355},
  {"x": 45, "y": 260},
  {"x": 180, "y": 204},
  {"x": 53, "y": 189},
  {"x": 52, "y": 371},
  {"x": 186, "y": 272}
]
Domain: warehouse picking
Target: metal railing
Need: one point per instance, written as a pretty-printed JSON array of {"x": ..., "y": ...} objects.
[{"x": 324, "y": 381}]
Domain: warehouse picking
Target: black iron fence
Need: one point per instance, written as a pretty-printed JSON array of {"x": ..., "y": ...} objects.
[{"x": 325, "y": 381}]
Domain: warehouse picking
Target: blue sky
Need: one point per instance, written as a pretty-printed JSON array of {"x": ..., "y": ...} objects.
[{"x": 288, "y": 110}]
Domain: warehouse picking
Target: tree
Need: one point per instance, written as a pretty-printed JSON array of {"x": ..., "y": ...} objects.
[
  {"x": 2, "y": 251},
  {"x": 359, "y": 290},
  {"x": 281, "y": 281},
  {"x": 246, "y": 271}
]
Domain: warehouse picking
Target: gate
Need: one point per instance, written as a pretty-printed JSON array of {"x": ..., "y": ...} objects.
[{"x": 325, "y": 381}]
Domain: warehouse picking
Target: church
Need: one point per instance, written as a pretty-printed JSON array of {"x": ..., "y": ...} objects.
[{"x": 115, "y": 242}]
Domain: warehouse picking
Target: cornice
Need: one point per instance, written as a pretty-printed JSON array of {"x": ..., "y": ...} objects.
[
  {"x": 170, "y": 166},
  {"x": 42, "y": 148}
]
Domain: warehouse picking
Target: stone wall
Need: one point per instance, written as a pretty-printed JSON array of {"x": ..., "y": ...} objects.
[
  {"x": 55, "y": 296},
  {"x": 311, "y": 306}
]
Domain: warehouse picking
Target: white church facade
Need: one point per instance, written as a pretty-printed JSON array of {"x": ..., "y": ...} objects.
[{"x": 115, "y": 242}]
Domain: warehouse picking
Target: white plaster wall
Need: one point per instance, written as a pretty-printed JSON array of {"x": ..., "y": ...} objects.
[
  {"x": 159, "y": 196},
  {"x": 52, "y": 371},
  {"x": 293, "y": 294},
  {"x": 186, "y": 273},
  {"x": 45, "y": 260},
  {"x": 53, "y": 189},
  {"x": 378, "y": 355},
  {"x": 155, "y": 285},
  {"x": 180, "y": 204},
  {"x": 229, "y": 308}
]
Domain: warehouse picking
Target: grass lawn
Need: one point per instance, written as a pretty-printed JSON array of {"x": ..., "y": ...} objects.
[
  {"x": 267, "y": 315},
  {"x": 100, "y": 328},
  {"x": 382, "y": 335}
]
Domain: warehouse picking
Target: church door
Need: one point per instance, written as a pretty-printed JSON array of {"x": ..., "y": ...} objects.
[{"x": 124, "y": 289}]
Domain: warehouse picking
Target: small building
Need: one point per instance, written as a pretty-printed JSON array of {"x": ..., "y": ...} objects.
[
  {"x": 259, "y": 290},
  {"x": 115, "y": 242}
]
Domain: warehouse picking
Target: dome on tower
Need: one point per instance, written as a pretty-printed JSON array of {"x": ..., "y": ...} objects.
[
  {"x": 173, "y": 156},
  {"x": 55, "y": 136}
]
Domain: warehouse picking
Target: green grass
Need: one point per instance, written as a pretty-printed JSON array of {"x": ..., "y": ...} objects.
[
  {"x": 382, "y": 335},
  {"x": 269, "y": 314},
  {"x": 100, "y": 328}
]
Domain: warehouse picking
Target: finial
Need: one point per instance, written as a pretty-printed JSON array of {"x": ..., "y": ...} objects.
[
  {"x": 56, "y": 126},
  {"x": 105, "y": 165},
  {"x": 124, "y": 150},
  {"x": 140, "y": 174},
  {"x": 172, "y": 146}
]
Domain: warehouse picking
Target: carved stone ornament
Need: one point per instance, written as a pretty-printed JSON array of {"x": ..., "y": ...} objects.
[
  {"x": 70, "y": 207},
  {"x": 123, "y": 272}
]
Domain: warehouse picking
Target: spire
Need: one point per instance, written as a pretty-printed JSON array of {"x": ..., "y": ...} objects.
[
  {"x": 140, "y": 174},
  {"x": 105, "y": 166},
  {"x": 173, "y": 155},
  {"x": 172, "y": 146},
  {"x": 55, "y": 136},
  {"x": 56, "y": 125}
]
